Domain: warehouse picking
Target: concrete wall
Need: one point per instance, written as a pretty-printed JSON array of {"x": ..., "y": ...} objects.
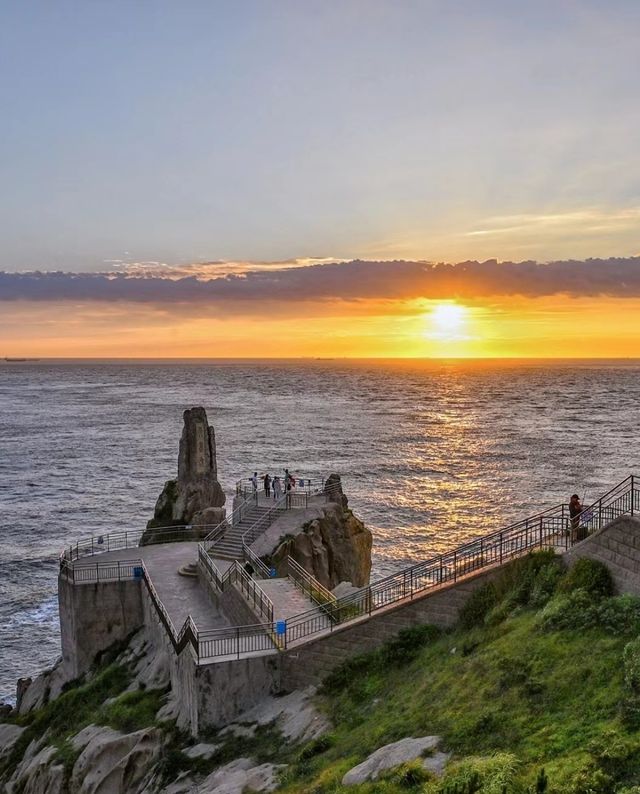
[
  {"x": 618, "y": 547},
  {"x": 93, "y": 617},
  {"x": 310, "y": 663},
  {"x": 227, "y": 689}
]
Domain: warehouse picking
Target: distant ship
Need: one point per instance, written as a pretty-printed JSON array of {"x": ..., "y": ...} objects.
[{"x": 21, "y": 359}]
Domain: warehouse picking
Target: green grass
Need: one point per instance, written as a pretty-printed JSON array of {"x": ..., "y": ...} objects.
[
  {"x": 510, "y": 689},
  {"x": 82, "y": 705}
]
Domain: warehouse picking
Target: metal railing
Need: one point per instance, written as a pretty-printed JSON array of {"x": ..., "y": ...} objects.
[
  {"x": 251, "y": 590},
  {"x": 308, "y": 584},
  {"x": 552, "y": 528},
  {"x": 308, "y": 485}
]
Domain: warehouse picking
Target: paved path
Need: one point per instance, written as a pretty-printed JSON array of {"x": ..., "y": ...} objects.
[
  {"x": 181, "y": 595},
  {"x": 287, "y": 599}
]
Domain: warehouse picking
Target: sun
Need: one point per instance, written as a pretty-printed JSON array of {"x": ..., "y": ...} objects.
[{"x": 446, "y": 321}]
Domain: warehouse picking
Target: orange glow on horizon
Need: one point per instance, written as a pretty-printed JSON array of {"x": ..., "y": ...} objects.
[{"x": 557, "y": 327}]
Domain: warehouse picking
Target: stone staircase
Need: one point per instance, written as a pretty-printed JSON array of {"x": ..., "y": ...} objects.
[
  {"x": 288, "y": 600},
  {"x": 229, "y": 547}
]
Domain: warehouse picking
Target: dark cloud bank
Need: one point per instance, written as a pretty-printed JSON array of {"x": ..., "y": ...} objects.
[{"x": 355, "y": 280}]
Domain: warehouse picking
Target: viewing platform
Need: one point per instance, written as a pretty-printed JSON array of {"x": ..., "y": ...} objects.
[{"x": 236, "y": 611}]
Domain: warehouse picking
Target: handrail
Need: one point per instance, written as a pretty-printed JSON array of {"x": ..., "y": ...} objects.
[
  {"x": 256, "y": 563},
  {"x": 550, "y": 528},
  {"x": 251, "y": 589},
  {"x": 308, "y": 584}
]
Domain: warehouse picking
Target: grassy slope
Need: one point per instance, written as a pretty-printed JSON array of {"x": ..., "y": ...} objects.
[{"x": 551, "y": 698}]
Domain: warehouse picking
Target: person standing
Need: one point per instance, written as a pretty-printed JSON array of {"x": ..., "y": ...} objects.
[
  {"x": 277, "y": 488},
  {"x": 254, "y": 482},
  {"x": 575, "y": 508},
  {"x": 267, "y": 485}
]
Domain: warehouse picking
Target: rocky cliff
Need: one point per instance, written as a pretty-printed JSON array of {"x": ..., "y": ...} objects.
[
  {"x": 196, "y": 496},
  {"x": 333, "y": 544}
]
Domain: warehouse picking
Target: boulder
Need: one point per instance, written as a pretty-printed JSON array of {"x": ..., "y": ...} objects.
[
  {"x": 202, "y": 750},
  {"x": 241, "y": 775},
  {"x": 294, "y": 715},
  {"x": 38, "y": 774},
  {"x": 112, "y": 762},
  {"x": 196, "y": 488},
  {"x": 9, "y": 735},
  {"x": 388, "y": 757},
  {"x": 34, "y": 693},
  {"x": 334, "y": 545}
]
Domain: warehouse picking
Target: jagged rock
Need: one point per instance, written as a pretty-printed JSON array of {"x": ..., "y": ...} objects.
[
  {"x": 112, "y": 762},
  {"x": 9, "y": 735},
  {"x": 209, "y": 517},
  {"x": 294, "y": 715},
  {"x": 197, "y": 488},
  {"x": 240, "y": 775},
  {"x": 202, "y": 750},
  {"x": 38, "y": 774},
  {"x": 389, "y": 756},
  {"x": 334, "y": 545},
  {"x": 35, "y": 693}
]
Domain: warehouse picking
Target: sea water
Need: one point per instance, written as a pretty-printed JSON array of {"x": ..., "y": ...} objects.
[{"x": 431, "y": 453}]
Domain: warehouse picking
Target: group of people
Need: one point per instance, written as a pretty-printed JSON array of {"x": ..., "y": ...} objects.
[{"x": 275, "y": 486}]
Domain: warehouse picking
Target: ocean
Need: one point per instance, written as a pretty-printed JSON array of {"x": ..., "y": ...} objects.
[{"x": 431, "y": 453}]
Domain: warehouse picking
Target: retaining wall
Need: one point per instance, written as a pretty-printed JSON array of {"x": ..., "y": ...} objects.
[
  {"x": 618, "y": 546},
  {"x": 93, "y": 617}
]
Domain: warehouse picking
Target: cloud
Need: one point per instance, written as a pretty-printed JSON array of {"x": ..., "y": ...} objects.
[{"x": 355, "y": 280}]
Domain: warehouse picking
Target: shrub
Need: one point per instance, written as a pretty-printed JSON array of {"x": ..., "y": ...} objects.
[
  {"x": 630, "y": 704},
  {"x": 572, "y": 611},
  {"x": 408, "y": 644},
  {"x": 408, "y": 775},
  {"x": 490, "y": 775},
  {"x": 478, "y": 605},
  {"x": 592, "y": 576},
  {"x": 619, "y": 615},
  {"x": 316, "y": 746}
]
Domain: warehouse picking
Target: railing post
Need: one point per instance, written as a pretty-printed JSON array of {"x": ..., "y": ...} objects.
[
  {"x": 455, "y": 565},
  {"x": 501, "y": 548},
  {"x": 411, "y": 582},
  {"x": 540, "y": 531},
  {"x": 370, "y": 600},
  {"x": 238, "y": 640},
  {"x": 600, "y": 514},
  {"x": 632, "y": 495}
]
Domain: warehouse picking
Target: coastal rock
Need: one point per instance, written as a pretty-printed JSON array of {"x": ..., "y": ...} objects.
[
  {"x": 197, "y": 488},
  {"x": 241, "y": 775},
  {"x": 202, "y": 750},
  {"x": 334, "y": 546},
  {"x": 113, "y": 762},
  {"x": 38, "y": 774},
  {"x": 295, "y": 715},
  {"x": 34, "y": 693},
  {"x": 389, "y": 756},
  {"x": 9, "y": 735}
]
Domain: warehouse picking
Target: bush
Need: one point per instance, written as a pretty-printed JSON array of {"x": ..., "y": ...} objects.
[
  {"x": 407, "y": 645},
  {"x": 490, "y": 775},
  {"x": 619, "y": 615},
  {"x": 572, "y": 611},
  {"x": 591, "y": 576},
  {"x": 478, "y": 606},
  {"x": 408, "y": 775},
  {"x": 316, "y": 747},
  {"x": 630, "y": 704}
]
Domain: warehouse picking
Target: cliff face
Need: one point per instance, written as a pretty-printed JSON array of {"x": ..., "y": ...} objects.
[
  {"x": 334, "y": 546},
  {"x": 196, "y": 496}
]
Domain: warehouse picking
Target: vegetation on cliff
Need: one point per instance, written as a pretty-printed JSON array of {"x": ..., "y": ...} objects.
[
  {"x": 543, "y": 673},
  {"x": 537, "y": 689}
]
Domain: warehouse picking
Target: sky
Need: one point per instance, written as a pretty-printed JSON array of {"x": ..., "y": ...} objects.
[{"x": 344, "y": 177}]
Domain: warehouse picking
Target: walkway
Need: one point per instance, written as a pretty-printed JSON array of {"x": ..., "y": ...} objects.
[
  {"x": 181, "y": 595},
  {"x": 288, "y": 600}
]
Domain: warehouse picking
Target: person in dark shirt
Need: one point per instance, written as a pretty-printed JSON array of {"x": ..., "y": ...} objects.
[
  {"x": 267, "y": 485},
  {"x": 575, "y": 508}
]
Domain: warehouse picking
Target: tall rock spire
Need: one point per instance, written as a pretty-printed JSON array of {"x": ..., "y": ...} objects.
[{"x": 197, "y": 488}]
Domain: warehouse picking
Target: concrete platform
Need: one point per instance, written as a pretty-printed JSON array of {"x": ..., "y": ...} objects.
[{"x": 181, "y": 595}]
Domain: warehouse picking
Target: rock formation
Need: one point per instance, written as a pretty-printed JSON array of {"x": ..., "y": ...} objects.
[
  {"x": 196, "y": 496},
  {"x": 334, "y": 545}
]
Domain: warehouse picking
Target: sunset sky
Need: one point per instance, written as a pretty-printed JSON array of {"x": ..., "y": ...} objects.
[{"x": 285, "y": 178}]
